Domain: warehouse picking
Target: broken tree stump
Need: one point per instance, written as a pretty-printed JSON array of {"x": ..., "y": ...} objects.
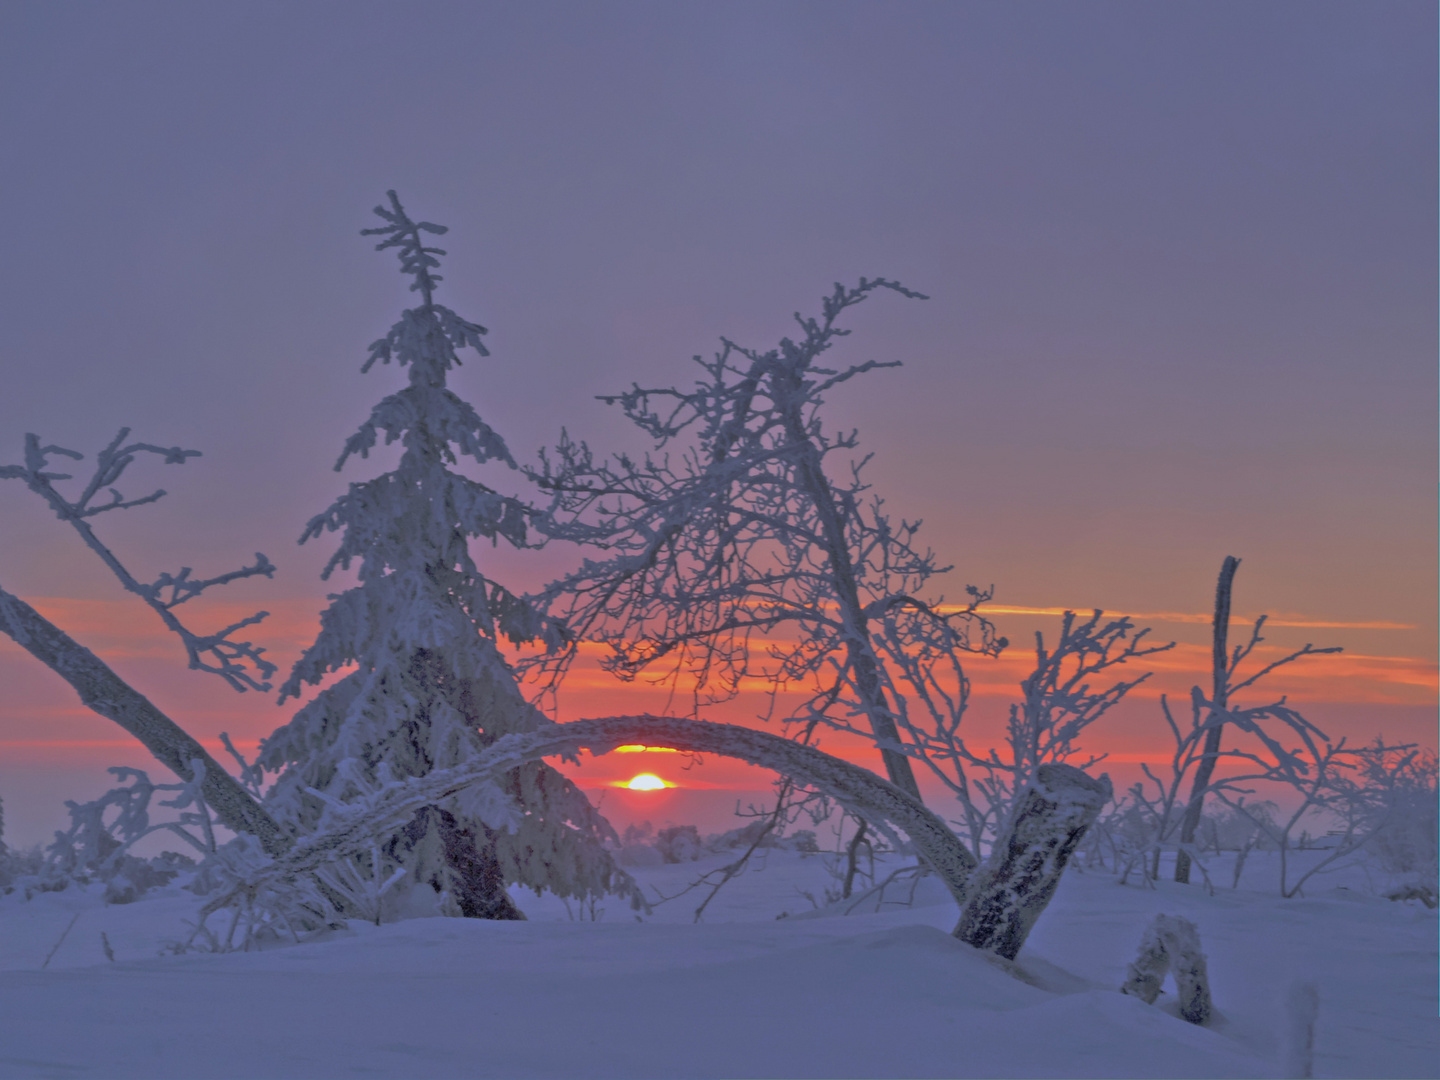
[{"x": 1007, "y": 895}]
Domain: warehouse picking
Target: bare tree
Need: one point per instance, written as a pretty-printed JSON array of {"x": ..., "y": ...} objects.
[
  {"x": 1220, "y": 669},
  {"x": 239, "y": 663},
  {"x": 1275, "y": 747},
  {"x": 754, "y": 550},
  {"x": 930, "y": 691}
]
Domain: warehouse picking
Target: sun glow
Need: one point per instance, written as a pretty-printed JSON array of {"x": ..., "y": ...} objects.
[
  {"x": 635, "y": 748},
  {"x": 647, "y": 782}
]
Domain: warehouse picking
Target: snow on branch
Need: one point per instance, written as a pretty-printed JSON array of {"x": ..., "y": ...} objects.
[
  {"x": 415, "y": 258},
  {"x": 111, "y": 697},
  {"x": 240, "y": 663},
  {"x": 752, "y": 549},
  {"x": 432, "y": 330},
  {"x": 348, "y": 830}
]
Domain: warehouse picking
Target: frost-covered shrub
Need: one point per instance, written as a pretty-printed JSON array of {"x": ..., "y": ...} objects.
[
  {"x": 18, "y": 867},
  {"x": 1405, "y": 816},
  {"x": 803, "y": 841},
  {"x": 250, "y": 915},
  {"x": 15, "y": 865},
  {"x": 638, "y": 834},
  {"x": 744, "y": 837},
  {"x": 679, "y": 843},
  {"x": 1225, "y": 829},
  {"x": 131, "y": 878},
  {"x": 96, "y": 846}
]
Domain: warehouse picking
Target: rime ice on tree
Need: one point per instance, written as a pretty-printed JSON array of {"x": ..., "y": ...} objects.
[{"x": 430, "y": 689}]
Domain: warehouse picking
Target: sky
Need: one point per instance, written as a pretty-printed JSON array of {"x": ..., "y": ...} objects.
[{"x": 1181, "y": 262}]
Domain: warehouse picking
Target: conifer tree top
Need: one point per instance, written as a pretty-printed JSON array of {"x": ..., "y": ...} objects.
[
  {"x": 415, "y": 258},
  {"x": 426, "y": 337},
  {"x": 410, "y": 528}
]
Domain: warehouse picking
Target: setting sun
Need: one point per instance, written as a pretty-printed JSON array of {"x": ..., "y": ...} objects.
[{"x": 647, "y": 782}]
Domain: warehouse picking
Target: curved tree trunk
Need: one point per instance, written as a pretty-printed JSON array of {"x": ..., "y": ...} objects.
[
  {"x": 998, "y": 910},
  {"x": 858, "y": 790},
  {"x": 999, "y": 905}
]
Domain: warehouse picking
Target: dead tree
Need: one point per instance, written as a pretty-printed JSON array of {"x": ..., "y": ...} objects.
[
  {"x": 752, "y": 551},
  {"x": 1219, "y": 695}
]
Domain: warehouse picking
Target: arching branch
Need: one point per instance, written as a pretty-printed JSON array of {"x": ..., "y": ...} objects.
[{"x": 858, "y": 790}]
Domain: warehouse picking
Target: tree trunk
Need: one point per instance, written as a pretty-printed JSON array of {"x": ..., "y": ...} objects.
[
  {"x": 1008, "y": 894},
  {"x": 476, "y": 881},
  {"x": 852, "y": 859},
  {"x": 1219, "y": 689},
  {"x": 847, "y": 593},
  {"x": 110, "y": 696}
]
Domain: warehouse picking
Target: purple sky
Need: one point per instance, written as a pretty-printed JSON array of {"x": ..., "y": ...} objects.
[{"x": 1182, "y": 260}]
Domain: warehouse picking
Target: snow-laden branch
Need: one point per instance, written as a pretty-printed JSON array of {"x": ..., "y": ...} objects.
[
  {"x": 110, "y": 696},
  {"x": 352, "y": 830},
  {"x": 233, "y": 661},
  {"x": 999, "y": 905},
  {"x": 750, "y": 532}
]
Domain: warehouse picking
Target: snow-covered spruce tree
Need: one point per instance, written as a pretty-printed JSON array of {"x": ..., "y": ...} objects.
[{"x": 430, "y": 689}]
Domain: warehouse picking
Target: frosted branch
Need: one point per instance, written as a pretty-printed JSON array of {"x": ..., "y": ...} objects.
[{"x": 240, "y": 663}]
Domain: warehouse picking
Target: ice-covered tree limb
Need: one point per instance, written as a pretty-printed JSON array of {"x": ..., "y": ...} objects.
[
  {"x": 110, "y": 696},
  {"x": 233, "y": 661},
  {"x": 930, "y": 692},
  {"x": 749, "y": 535},
  {"x": 352, "y": 831}
]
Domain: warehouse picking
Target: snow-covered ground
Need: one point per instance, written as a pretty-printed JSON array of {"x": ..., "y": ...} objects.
[{"x": 885, "y": 993}]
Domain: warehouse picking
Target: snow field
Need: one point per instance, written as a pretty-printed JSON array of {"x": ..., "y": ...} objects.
[{"x": 742, "y": 994}]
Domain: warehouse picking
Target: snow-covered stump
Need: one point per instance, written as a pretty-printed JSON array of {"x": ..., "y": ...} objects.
[
  {"x": 1171, "y": 944},
  {"x": 1021, "y": 875}
]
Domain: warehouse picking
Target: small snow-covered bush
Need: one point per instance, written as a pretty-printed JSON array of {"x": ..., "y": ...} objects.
[
  {"x": 1406, "y": 820},
  {"x": 744, "y": 837},
  {"x": 14, "y": 864},
  {"x": 679, "y": 843},
  {"x": 803, "y": 841},
  {"x": 637, "y": 834},
  {"x": 97, "y": 845}
]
